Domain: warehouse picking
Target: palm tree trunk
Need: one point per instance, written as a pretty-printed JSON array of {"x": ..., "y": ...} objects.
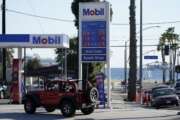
[{"x": 133, "y": 54}]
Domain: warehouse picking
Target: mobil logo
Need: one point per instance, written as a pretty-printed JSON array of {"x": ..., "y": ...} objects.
[
  {"x": 52, "y": 40},
  {"x": 93, "y": 12}
]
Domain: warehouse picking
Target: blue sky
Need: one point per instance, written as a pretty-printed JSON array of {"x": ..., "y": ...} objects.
[{"x": 153, "y": 11}]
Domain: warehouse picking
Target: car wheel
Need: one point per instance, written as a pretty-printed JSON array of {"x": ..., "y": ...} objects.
[
  {"x": 49, "y": 109},
  {"x": 177, "y": 104},
  {"x": 87, "y": 111},
  {"x": 68, "y": 109},
  {"x": 29, "y": 106},
  {"x": 157, "y": 106},
  {"x": 93, "y": 94}
]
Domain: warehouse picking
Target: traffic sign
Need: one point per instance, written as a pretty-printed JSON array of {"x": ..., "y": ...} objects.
[{"x": 151, "y": 57}]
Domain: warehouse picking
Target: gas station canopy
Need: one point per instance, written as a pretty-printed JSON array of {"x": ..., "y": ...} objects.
[{"x": 34, "y": 41}]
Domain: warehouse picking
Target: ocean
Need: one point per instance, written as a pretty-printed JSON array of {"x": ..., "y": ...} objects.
[{"x": 148, "y": 74}]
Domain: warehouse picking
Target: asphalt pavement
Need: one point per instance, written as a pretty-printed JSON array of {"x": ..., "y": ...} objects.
[{"x": 121, "y": 110}]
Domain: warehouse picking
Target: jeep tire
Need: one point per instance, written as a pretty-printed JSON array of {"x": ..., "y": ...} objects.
[
  {"x": 88, "y": 110},
  {"x": 68, "y": 108},
  {"x": 49, "y": 109},
  {"x": 29, "y": 106},
  {"x": 93, "y": 95}
]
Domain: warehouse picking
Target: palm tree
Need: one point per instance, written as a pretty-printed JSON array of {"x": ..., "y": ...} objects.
[
  {"x": 133, "y": 54},
  {"x": 169, "y": 38}
]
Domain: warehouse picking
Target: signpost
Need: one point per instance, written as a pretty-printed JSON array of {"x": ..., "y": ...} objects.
[{"x": 94, "y": 36}]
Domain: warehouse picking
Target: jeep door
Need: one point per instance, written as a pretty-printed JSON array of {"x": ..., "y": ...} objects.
[{"x": 51, "y": 94}]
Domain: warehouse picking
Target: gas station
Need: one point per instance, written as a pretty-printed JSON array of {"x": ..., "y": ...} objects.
[
  {"x": 93, "y": 42},
  {"x": 29, "y": 41}
]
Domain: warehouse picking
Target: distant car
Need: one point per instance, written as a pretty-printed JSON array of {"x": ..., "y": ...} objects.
[
  {"x": 177, "y": 89},
  {"x": 164, "y": 97},
  {"x": 63, "y": 95}
]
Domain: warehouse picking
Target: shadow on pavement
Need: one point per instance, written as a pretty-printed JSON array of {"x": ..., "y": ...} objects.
[
  {"x": 36, "y": 116},
  {"x": 135, "y": 118},
  {"x": 24, "y": 116}
]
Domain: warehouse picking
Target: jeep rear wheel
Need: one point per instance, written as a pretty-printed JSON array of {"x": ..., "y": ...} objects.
[
  {"x": 68, "y": 108},
  {"x": 87, "y": 111},
  {"x": 29, "y": 106},
  {"x": 93, "y": 94},
  {"x": 49, "y": 109}
]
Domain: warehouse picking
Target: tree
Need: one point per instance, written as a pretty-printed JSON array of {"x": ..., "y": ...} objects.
[
  {"x": 72, "y": 55},
  {"x": 169, "y": 38},
  {"x": 0, "y": 71},
  {"x": 33, "y": 64},
  {"x": 133, "y": 54},
  {"x": 9, "y": 57}
]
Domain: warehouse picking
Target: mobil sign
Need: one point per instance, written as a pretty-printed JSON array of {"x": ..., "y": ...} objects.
[
  {"x": 34, "y": 40},
  {"x": 94, "y": 31},
  {"x": 91, "y": 11},
  {"x": 49, "y": 40}
]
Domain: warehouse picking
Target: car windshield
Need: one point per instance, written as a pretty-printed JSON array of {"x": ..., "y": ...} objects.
[
  {"x": 177, "y": 85},
  {"x": 177, "y": 88},
  {"x": 162, "y": 92},
  {"x": 159, "y": 87}
]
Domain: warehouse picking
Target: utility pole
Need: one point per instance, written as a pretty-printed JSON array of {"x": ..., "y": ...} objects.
[
  {"x": 4, "y": 32},
  {"x": 133, "y": 54},
  {"x": 141, "y": 47},
  {"x": 125, "y": 66}
]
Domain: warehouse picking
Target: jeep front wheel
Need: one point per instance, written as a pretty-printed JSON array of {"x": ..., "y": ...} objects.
[
  {"x": 68, "y": 108},
  {"x": 49, "y": 109},
  {"x": 29, "y": 106},
  {"x": 87, "y": 111}
]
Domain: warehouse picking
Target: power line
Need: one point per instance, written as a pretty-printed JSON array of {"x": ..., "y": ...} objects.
[
  {"x": 149, "y": 23},
  {"x": 66, "y": 20},
  {"x": 153, "y": 45},
  {"x": 33, "y": 15},
  {"x": 146, "y": 39},
  {"x": 34, "y": 11}
]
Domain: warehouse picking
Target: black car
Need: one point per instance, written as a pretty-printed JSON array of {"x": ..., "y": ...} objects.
[
  {"x": 164, "y": 97},
  {"x": 177, "y": 88}
]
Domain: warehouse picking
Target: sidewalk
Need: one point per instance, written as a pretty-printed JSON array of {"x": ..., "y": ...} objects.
[{"x": 4, "y": 101}]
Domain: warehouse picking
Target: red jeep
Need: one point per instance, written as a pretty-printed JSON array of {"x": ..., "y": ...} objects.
[{"x": 63, "y": 95}]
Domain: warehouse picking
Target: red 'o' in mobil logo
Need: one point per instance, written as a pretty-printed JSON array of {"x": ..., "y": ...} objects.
[
  {"x": 52, "y": 40},
  {"x": 44, "y": 41},
  {"x": 93, "y": 12}
]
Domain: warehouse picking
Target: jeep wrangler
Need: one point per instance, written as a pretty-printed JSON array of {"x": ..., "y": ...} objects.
[{"x": 63, "y": 95}]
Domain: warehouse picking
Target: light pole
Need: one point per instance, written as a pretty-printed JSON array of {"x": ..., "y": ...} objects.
[
  {"x": 125, "y": 66},
  {"x": 4, "y": 32},
  {"x": 125, "y": 55},
  {"x": 141, "y": 43}
]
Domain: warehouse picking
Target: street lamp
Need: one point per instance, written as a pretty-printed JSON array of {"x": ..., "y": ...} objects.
[{"x": 126, "y": 60}]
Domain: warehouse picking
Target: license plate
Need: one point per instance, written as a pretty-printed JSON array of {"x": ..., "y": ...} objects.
[{"x": 168, "y": 101}]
